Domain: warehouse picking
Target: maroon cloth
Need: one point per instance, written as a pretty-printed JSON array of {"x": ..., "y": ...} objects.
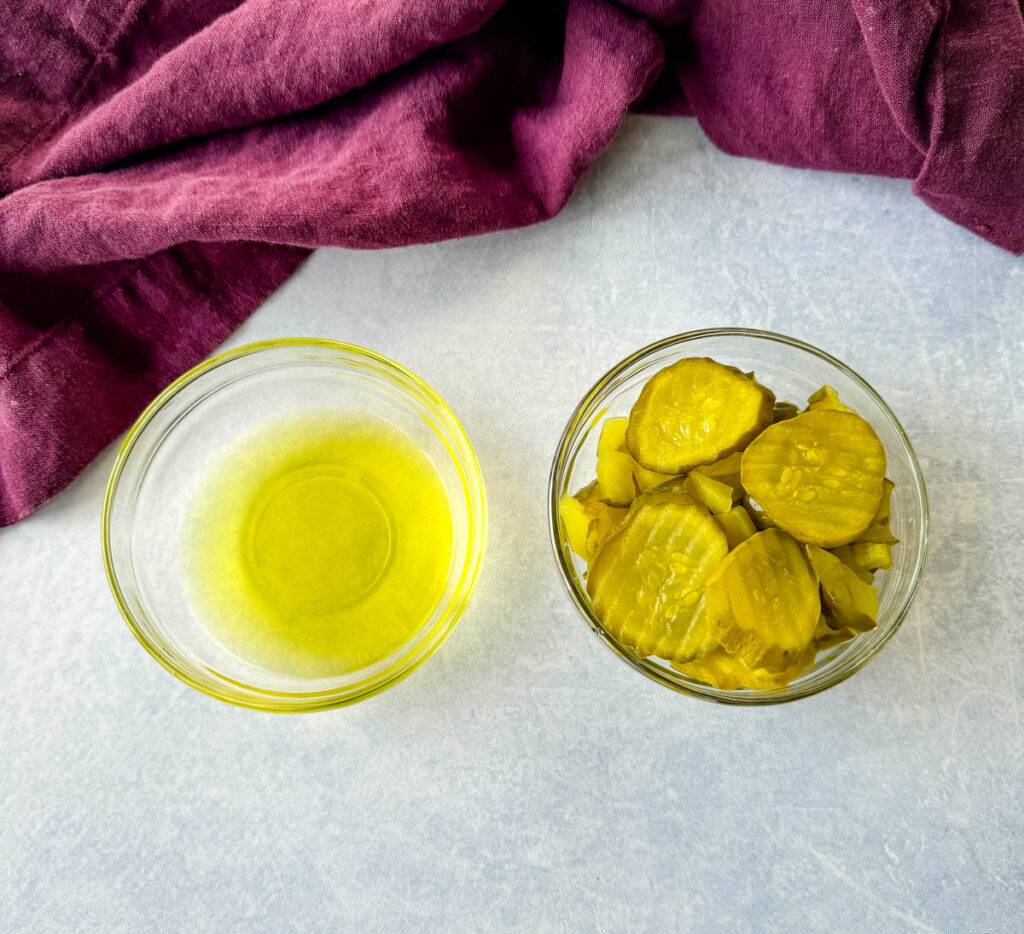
[{"x": 165, "y": 164}]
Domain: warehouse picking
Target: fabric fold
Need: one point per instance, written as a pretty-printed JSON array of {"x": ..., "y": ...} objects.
[{"x": 165, "y": 165}]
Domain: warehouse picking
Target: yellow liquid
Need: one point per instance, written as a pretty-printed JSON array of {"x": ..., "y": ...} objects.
[{"x": 318, "y": 544}]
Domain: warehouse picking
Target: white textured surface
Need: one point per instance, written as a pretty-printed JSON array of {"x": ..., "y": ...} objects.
[{"x": 525, "y": 778}]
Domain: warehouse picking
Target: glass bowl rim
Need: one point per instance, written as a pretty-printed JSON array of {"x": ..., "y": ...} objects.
[
  {"x": 256, "y": 698},
  {"x": 749, "y": 698}
]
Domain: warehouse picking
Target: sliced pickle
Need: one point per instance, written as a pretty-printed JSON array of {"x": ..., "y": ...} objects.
[
  {"x": 852, "y": 603},
  {"x": 737, "y": 525},
  {"x": 686, "y": 637},
  {"x": 695, "y": 412},
  {"x": 817, "y": 476},
  {"x": 728, "y": 672},
  {"x": 763, "y": 603},
  {"x": 646, "y": 582},
  {"x": 827, "y": 398},
  {"x": 718, "y": 497},
  {"x": 872, "y": 556},
  {"x": 576, "y": 523}
]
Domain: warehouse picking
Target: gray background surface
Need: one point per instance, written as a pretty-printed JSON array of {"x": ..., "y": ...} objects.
[{"x": 525, "y": 778}]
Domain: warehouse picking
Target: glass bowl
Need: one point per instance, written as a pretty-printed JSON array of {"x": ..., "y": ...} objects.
[
  {"x": 792, "y": 370},
  {"x": 189, "y": 425}
]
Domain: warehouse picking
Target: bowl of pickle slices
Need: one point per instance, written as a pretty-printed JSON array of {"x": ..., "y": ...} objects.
[{"x": 738, "y": 515}]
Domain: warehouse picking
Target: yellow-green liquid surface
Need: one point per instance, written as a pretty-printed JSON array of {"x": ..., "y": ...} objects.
[{"x": 318, "y": 543}]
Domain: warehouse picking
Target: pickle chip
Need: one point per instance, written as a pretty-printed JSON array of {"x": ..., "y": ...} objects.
[
  {"x": 693, "y": 412},
  {"x": 852, "y": 603},
  {"x": 728, "y": 673},
  {"x": 763, "y": 603},
  {"x": 646, "y": 583},
  {"x": 818, "y": 476}
]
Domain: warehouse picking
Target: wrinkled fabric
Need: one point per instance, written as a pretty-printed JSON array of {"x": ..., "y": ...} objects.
[{"x": 164, "y": 165}]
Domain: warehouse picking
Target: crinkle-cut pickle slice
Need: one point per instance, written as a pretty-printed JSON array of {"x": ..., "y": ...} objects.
[
  {"x": 763, "y": 603},
  {"x": 728, "y": 673},
  {"x": 852, "y": 603},
  {"x": 695, "y": 412},
  {"x": 646, "y": 583},
  {"x": 817, "y": 476}
]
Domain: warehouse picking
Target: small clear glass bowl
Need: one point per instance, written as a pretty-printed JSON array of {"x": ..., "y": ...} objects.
[
  {"x": 792, "y": 370},
  {"x": 189, "y": 425}
]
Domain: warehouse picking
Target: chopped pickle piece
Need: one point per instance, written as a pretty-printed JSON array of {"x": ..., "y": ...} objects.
[
  {"x": 726, "y": 470},
  {"x": 576, "y": 523},
  {"x": 877, "y": 532},
  {"x": 728, "y": 673},
  {"x": 872, "y": 556},
  {"x": 613, "y": 438},
  {"x": 695, "y": 412},
  {"x": 818, "y": 476},
  {"x": 615, "y": 477},
  {"x": 763, "y": 603},
  {"x": 737, "y": 525},
  {"x": 884, "y": 509},
  {"x": 826, "y": 635},
  {"x": 852, "y": 603},
  {"x": 713, "y": 494},
  {"x": 649, "y": 479},
  {"x": 784, "y": 410},
  {"x": 613, "y": 435},
  {"x": 602, "y": 517},
  {"x": 646, "y": 583},
  {"x": 845, "y": 554},
  {"x": 827, "y": 398}
]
